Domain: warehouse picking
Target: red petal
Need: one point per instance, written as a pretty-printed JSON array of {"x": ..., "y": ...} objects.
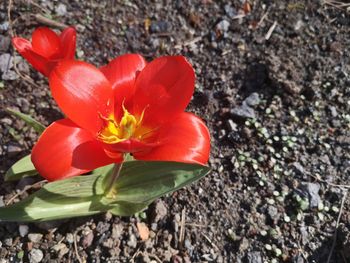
[
  {"x": 121, "y": 73},
  {"x": 41, "y": 64},
  {"x": 65, "y": 150},
  {"x": 68, "y": 42},
  {"x": 128, "y": 146},
  {"x": 184, "y": 139},
  {"x": 83, "y": 93},
  {"x": 46, "y": 43},
  {"x": 164, "y": 87}
]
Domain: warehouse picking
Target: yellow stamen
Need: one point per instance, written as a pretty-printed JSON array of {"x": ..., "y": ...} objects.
[{"x": 126, "y": 129}]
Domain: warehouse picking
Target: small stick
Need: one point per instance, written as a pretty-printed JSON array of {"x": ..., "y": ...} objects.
[
  {"x": 210, "y": 242},
  {"x": 26, "y": 188},
  {"x": 239, "y": 16},
  {"x": 195, "y": 225},
  {"x": 76, "y": 248},
  {"x": 136, "y": 254},
  {"x": 155, "y": 257},
  {"x": 49, "y": 22},
  {"x": 330, "y": 184},
  {"x": 262, "y": 19},
  {"x": 336, "y": 226},
  {"x": 272, "y": 28},
  {"x": 182, "y": 227},
  {"x": 189, "y": 42},
  {"x": 12, "y": 34}
]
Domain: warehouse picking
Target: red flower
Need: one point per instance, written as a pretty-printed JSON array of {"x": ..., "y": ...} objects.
[
  {"x": 124, "y": 107},
  {"x": 47, "y": 48}
]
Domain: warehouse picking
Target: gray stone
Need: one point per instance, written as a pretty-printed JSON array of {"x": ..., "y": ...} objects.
[
  {"x": 13, "y": 150},
  {"x": 252, "y": 100},
  {"x": 160, "y": 27},
  {"x": 333, "y": 111},
  {"x": 9, "y": 75},
  {"x": 5, "y": 62},
  {"x": 87, "y": 239},
  {"x": 272, "y": 211},
  {"x": 298, "y": 25},
  {"x": 232, "y": 126},
  {"x": 23, "y": 230},
  {"x": 4, "y": 26},
  {"x": 6, "y": 121},
  {"x": 63, "y": 251},
  {"x": 8, "y": 241},
  {"x": 24, "y": 104},
  {"x": 223, "y": 26},
  {"x": 311, "y": 191},
  {"x": 61, "y": 9},
  {"x": 299, "y": 168},
  {"x": 102, "y": 227},
  {"x": 59, "y": 247},
  {"x": 230, "y": 11},
  {"x": 160, "y": 211},
  {"x": 35, "y": 256},
  {"x": 189, "y": 247},
  {"x": 4, "y": 43},
  {"x": 298, "y": 259},
  {"x": 254, "y": 257},
  {"x": 132, "y": 242},
  {"x": 243, "y": 111},
  {"x": 70, "y": 238},
  {"x": 35, "y": 237}
]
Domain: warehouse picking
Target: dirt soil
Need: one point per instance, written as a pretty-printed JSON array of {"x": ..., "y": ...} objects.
[{"x": 272, "y": 84}]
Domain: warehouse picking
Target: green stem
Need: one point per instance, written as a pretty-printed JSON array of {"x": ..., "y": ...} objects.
[{"x": 113, "y": 178}]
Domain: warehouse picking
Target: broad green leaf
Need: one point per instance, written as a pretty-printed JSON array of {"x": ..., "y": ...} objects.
[
  {"x": 139, "y": 184},
  {"x": 142, "y": 182},
  {"x": 72, "y": 197},
  {"x": 22, "y": 168},
  {"x": 37, "y": 126}
]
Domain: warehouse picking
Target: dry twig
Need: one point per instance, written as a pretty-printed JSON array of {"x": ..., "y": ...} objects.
[
  {"x": 336, "y": 4},
  {"x": 188, "y": 42},
  {"x": 210, "y": 242},
  {"x": 76, "y": 248},
  {"x": 269, "y": 33},
  {"x": 337, "y": 225},
  {"x": 12, "y": 34},
  {"x": 262, "y": 20},
  {"x": 182, "y": 227},
  {"x": 49, "y": 22},
  {"x": 26, "y": 188},
  {"x": 330, "y": 184}
]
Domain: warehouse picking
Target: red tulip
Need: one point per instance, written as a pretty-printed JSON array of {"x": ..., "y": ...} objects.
[
  {"x": 127, "y": 106},
  {"x": 47, "y": 48}
]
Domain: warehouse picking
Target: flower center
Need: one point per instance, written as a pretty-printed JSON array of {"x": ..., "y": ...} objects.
[{"x": 114, "y": 132}]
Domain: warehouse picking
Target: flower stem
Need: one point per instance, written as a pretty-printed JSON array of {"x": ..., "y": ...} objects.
[{"x": 113, "y": 178}]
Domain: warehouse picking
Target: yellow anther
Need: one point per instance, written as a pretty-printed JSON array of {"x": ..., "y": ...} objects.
[{"x": 126, "y": 129}]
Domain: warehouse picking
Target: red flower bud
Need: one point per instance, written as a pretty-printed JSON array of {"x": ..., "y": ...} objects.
[{"x": 47, "y": 48}]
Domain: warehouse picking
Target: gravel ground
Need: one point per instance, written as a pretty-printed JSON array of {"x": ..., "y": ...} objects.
[{"x": 273, "y": 86}]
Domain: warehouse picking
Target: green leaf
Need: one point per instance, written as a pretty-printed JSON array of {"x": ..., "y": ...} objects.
[
  {"x": 22, "y": 168},
  {"x": 72, "y": 197},
  {"x": 140, "y": 183},
  {"x": 37, "y": 126}
]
